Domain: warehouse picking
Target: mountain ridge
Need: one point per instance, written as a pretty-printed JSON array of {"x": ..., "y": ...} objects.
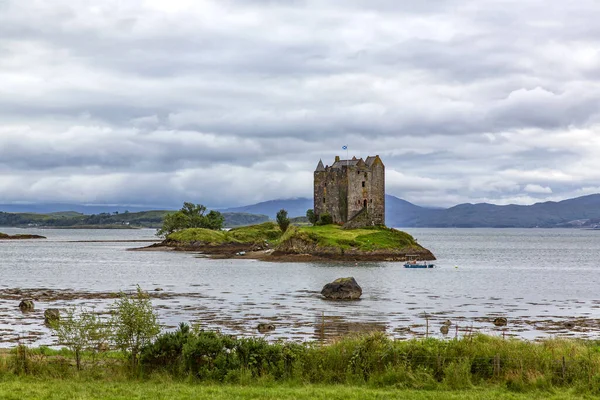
[{"x": 581, "y": 211}]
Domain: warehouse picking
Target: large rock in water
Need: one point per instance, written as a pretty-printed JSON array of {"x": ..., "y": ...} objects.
[
  {"x": 26, "y": 305},
  {"x": 342, "y": 289}
]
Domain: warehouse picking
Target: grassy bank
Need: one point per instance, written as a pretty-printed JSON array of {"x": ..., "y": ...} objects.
[
  {"x": 368, "y": 239},
  {"x": 328, "y": 239},
  {"x": 252, "y": 234},
  {"x": 34, "y": 389},
  {"x": 476, "y": 364}
]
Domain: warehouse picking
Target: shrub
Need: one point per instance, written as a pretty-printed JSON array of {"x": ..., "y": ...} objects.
[
  {"x": 191, "y": 216},
  {"x": 210, "y": 355},
  {"x": 135, "y": 324},
  {"x": 166, "y": 352},
  {"x": 312, "y": 217},
  {"x": 325, "y": 219},
  {"x": 282, "y": 220},
  {"x": 81, "y": 332}
]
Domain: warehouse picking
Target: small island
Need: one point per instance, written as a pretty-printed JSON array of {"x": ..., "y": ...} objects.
[
  {"x": 4, "y": 236},
  {"x": 311, "y": 243},
  {"x": 348, "y": 224}
]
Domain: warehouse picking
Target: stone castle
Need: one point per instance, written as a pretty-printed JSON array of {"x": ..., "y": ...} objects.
[{"x": 351, "y": 191}]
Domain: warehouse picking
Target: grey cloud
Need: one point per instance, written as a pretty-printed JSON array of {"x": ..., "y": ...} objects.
[{"x": 246, "y": 96}]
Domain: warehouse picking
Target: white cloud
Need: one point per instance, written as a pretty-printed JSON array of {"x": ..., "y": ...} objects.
[{"x": 532, "y": 188}]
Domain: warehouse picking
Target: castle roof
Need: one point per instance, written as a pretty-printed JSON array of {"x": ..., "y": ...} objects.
[
  {"x": 344, "y": 163},
  {"x": 320, "y": 167},
  {"x": 370, "y": 160}
]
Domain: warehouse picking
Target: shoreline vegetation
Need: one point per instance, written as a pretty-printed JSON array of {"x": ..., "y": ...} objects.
[
  {"x": 22, "y": 236},
  {"x": 267, "y": 242},
  {"x": 367, "y": 366}
]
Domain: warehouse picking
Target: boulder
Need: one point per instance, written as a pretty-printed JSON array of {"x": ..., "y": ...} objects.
[
  {"x": 569, "y": 324},
  {"x": 342, "y": 289},
  {"x": 264, "y": 328},
  {"x": 444, "y": 329},
  {"x": 26, "y": 305},
  {"x": 51, "y": 315}
]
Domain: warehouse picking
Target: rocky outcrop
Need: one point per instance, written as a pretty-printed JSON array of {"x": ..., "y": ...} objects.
[
  {"x": 26, "y": 305},
  {"x": 342, "y": 289},
  {"x": 265, "y": 328},
  {"x": 20, "y": 236}
]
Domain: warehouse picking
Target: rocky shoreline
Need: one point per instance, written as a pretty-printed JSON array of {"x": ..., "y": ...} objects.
[
  {"x": 263, "y": 253},
  {"x": 4, "y": 236}
]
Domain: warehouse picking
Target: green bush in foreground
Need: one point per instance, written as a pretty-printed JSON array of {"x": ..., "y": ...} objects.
[
  {"x": 134, "y": 324},
  {"x": 374, "y": 360}
]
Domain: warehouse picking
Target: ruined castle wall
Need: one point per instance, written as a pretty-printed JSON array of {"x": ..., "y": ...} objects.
[
  {"x": 331, "y": 191},
  {"x": 357, "y": 191},
  {"x": 319, "y": 192},
  {"x": 377, "y": 209}
]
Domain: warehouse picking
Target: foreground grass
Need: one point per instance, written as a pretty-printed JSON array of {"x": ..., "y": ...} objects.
[{"x": 13, "y": 388}]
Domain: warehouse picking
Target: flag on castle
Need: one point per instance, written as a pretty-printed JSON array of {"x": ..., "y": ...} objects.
[{"x": 344, "y": 147}]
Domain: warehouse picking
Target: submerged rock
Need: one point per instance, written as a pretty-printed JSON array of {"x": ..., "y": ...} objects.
[
  {"x": 342, "y": 289},
  {"x": 51, "y": 315},
  {"x": 26, "y": 305},
  {"x": 264, "y": 328},
  {"x": 569, "y": 324}
]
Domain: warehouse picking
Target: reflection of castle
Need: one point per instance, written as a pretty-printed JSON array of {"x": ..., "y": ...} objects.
[{"x": 351, "y": 191}]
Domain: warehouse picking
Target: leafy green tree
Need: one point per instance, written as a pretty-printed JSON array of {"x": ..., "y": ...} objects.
[
  {"x": 312, "y": 218},
  {"x": 191, "y": 216},
  {"x": 135, "y": 324},
  {"x": 214, "y": 220},
  {"x": 81, "y": 332},
  {"x": 282, "y": 220}
]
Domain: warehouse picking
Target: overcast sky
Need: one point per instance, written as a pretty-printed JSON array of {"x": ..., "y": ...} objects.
[{"x": 231, "y": 102}]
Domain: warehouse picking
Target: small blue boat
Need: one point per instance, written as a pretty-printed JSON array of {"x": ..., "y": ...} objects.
[{"x": 413, "y": 262}]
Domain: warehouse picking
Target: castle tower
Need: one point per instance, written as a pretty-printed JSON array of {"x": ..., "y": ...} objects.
[{"x": 351, "y": 191}]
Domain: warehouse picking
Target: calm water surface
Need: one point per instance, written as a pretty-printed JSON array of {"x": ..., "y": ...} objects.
[{"x": 537, "y": 278}]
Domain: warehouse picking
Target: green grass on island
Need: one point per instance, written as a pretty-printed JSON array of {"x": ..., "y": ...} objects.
[{"x": 327, "y": 236}]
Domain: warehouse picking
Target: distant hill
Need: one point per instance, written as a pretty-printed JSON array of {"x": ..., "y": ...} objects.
[
  {"x": 143, "y": 219},
  {"x": 295, "y": 207},
  {"x": 52, "y": 208},
  {"x": 578, "y": 212},
  {"x": 546, "y": 215}
]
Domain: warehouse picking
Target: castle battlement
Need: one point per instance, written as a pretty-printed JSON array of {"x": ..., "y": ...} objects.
[{"x": 351, "y": 191}]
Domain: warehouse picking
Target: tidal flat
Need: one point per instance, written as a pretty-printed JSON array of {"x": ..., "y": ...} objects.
[{"x": 543, "y": 281}]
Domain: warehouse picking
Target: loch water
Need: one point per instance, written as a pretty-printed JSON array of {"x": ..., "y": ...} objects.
[{"x": 537, "y": 278}]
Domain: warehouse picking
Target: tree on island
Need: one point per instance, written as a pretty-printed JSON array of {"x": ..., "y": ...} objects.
[
  {"x": 191, "y": 216},
  {"x": 282, "y": 220},
  {"x": 312, "y": 218}
]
